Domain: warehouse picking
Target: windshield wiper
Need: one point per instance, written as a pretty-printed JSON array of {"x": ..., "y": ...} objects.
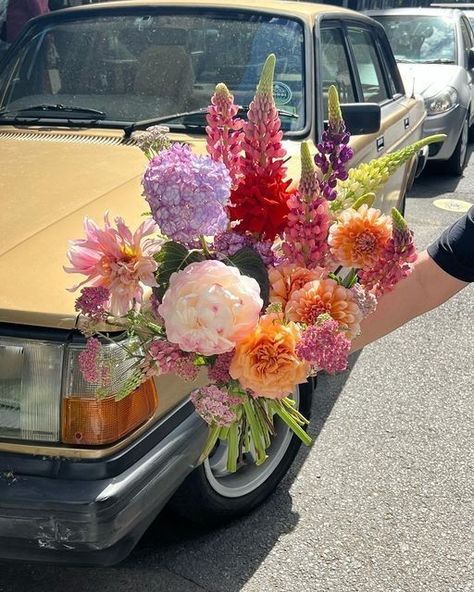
[
  {"x": 438, "y": 61},
  {"x": 34, "y": 110},
  {"x": 144, "y": 123}
]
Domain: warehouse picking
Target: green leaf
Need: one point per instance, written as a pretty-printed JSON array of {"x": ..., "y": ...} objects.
[
  {"x": 249, "y": 263},
  {"x": 172, "y": 257}
]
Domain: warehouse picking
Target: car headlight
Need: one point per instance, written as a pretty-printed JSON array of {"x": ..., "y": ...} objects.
[
  {"x": 44, "y": 397},
  {"x": 442, "y": 102}
]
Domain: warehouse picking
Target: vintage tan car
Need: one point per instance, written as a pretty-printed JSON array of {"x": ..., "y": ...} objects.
[{"x": 81, "y": 478}]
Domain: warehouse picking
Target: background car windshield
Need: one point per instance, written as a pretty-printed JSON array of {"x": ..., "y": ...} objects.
[
  {"x": 421, "y": 39},
  {"x": 139, "y": 67}
]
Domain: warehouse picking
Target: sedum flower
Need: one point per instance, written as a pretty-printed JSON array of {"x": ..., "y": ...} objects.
[
  {"x": 325, "y": 297},
  {"x": 115, "y": 259},
  {"x": 358, "y": 237},
  {"x": 266, "y": 361},
  {"x": 209, "y": 307},
  {"x": 224, "y": 131},
  {"x": 187, "y": 194},
  {"x": 325, "y": 346}
]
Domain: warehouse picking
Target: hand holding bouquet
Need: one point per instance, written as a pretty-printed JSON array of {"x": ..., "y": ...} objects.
[{"x": 262, "y": 283}]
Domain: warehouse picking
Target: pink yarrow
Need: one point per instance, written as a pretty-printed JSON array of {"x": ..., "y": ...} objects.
[
  {"x": 325, "y": 346},
  {"x": 219, "y": 371},
  {"x": 90, "y": 365},
  {"x": 92, "y": 301},
  {"x": 215, "y": 406}
]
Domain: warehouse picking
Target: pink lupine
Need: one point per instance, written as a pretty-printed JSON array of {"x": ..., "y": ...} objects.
[
  {"x": 224, "y": 131},
  {"x": 308, "y": 220},
  {"x": 262, "y": 142},
  {"x": 395, "y": 261}
]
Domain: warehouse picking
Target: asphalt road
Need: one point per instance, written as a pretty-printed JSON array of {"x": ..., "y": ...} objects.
[{"x": 384, "y": 500}]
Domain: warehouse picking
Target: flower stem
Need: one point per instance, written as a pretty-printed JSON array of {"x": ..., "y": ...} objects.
[
  {"x": 212, "y": 438},
  {"x": 232, "y": 447},
  {"x": 290, "y": 421},
  {"x": 256, "y": 432},
  {"x": 205, "y": 248}
]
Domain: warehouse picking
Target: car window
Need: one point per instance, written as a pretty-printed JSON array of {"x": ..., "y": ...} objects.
[
  {"x": 368, "y": 66},
  {"x": 424, "y": 39},
  {"x": 334, "y": 66},
  {"x": 143, "y": 66}
]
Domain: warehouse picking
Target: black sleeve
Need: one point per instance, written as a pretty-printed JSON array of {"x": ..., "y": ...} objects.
[{"x": 454, "y": 249}]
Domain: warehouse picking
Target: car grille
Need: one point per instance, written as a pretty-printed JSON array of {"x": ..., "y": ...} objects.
[{"x": 65, "y": 138}]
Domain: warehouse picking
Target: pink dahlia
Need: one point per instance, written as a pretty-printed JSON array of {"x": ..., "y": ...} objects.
[{"x": 116, "y": 259}]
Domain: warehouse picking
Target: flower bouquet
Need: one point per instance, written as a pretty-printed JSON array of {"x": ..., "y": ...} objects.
[{"x": 261, "y": 282}]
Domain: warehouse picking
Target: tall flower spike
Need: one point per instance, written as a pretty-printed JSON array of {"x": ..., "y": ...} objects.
[
  {"x": 262, "y": 142},
  {"x": 395, "y": 261},
  {"x": 224, "y": 131},
  {"x": 305, "y": 237},
  {"x": 371, "y": 176},
  {"x": 333, "y": 149}
]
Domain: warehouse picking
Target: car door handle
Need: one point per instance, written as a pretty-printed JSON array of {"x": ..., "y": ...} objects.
[
  {"x": 406, "y": 122},
  {"x": 380, "y": 142}
]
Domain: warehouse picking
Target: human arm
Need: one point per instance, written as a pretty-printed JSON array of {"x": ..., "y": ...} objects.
[
  {"x": 441, "y": 271},
  {"x": 425, "y": 288}
]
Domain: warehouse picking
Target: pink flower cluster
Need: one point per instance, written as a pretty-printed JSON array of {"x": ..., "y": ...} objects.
[
  {"x": 219, "y": 371},
  {"x": 325, "y": 346},
  {"x": 395, "y": 261},
  {"x": 215, "y": 406},
  {"x": 169, "y": 359},
  {"x": 224, "y": 132},
  {"x": 92, "y": 301},
  {"x": 90, "y": 365}
]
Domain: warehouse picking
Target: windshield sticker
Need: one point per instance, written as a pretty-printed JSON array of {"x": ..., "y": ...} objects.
[{"x": 282, "y": 93}]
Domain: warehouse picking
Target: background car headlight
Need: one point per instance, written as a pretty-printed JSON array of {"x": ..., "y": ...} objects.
[
  {"x": 442, "y": 102},
  {"x": 44, "y": 397}
]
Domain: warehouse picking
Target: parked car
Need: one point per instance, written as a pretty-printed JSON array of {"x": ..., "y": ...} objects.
[
  {"x": 81, "y": 478},
  {"x": 466, "y": 7},
  {"x": 435, "y": 55}
]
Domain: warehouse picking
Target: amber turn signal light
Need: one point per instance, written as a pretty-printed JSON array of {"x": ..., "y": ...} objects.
[{"x": 89, "y": 421}]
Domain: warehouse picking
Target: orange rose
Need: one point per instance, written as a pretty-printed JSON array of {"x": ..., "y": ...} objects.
[{"x": 266, "y": 362}]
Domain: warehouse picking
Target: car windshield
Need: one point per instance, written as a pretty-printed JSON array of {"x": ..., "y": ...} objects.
[
  {"x": 131, "y": 67},
  {"x": 421, "y": 39}
]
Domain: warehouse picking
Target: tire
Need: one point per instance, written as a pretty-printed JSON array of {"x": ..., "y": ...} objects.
[
  {"x": 455, "y": 165},
  {"x": 211, "y": 497}
]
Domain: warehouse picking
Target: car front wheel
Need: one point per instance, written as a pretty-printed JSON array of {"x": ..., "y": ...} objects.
[
  {"x": 455, "y": 165},
  {"x": 211, "y": 496}
]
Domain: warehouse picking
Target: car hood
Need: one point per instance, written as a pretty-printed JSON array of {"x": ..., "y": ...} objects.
[
  {"x": 428, "y": 79},
  {"x": 50, "y": 180}
]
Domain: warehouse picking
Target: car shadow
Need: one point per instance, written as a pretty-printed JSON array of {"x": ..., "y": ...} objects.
[{"x": 176, "y": 556}]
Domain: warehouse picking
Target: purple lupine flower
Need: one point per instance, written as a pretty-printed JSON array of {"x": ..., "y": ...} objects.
[
  {"x": 92, "y": 301},
  {"x": 324, "y": 345},
  {"x": 187, "y": 193},
  {"x": 215, "y": 406}
]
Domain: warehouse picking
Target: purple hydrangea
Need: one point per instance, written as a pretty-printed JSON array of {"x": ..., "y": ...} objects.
[
  {"x": 187, "y": 194},
  {"x": 228, "y": 243}
]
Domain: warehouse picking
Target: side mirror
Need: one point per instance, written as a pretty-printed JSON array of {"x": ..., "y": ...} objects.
[
  {"x": 361, "y": 118},
  {"x": 470, "y": 59}
]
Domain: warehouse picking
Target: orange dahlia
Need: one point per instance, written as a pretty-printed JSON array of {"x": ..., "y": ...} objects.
[
  {"x": 266, "y": 361},
  {"x": 288, "y": 277},
  {"x": 358, "y": 238},
  {"x": 325, "y": 297}
]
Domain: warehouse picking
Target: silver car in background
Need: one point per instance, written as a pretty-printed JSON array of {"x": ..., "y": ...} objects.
[{"x": 435, "y": 55}]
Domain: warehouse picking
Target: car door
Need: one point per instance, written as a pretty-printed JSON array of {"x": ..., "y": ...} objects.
[
  {"x": 356, "y": 57},
  {"x": 467, "y": 45}
]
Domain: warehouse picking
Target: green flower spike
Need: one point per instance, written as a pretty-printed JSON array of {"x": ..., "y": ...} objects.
[
  {"x": 370, "y": 177},
  {"x": 336, "y": 122},
  {"x": 265, "y": 84},
  {"x": 367, "y": 199}
]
